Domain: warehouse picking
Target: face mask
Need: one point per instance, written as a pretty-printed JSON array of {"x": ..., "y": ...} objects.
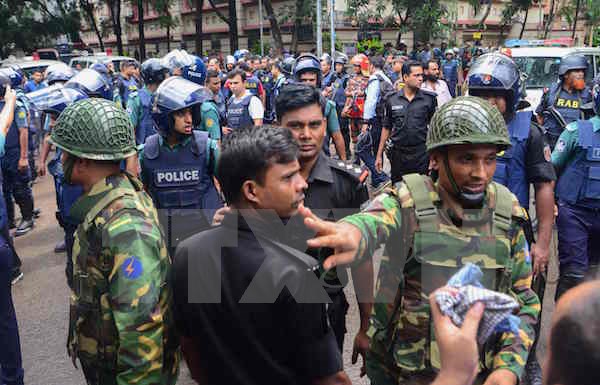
[
  {"x": 68, "y": 165},
  {"x": 579, "y": 84}
]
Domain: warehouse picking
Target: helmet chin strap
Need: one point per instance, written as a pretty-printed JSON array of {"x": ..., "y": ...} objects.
[{"x": 467, "y": 199}]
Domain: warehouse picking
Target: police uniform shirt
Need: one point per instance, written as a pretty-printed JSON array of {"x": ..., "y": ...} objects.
[
  {"x": 566, "y": 146},
  {"x": 409, "y": 116},
  {"x": 564, "y": 99},
  {"x": 275, "y": 340},
  {"x": 538, "y": 163}
]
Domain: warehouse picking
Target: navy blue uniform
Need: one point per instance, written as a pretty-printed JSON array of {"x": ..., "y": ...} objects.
[
  {"x": 567, "y": 104},
  {"x": 238, "y": 114},
  {"x": 16, "y": 183}
]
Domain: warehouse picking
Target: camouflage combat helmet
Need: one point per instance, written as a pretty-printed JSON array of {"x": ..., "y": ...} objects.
[
  {"x": 94, "y": 129},
  {"x": 467, "y": 120}
]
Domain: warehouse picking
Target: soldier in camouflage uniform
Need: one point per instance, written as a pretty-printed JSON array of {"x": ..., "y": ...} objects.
[
  {"x": 431, "y": 229},
  {"x": 121, "y": 325}
]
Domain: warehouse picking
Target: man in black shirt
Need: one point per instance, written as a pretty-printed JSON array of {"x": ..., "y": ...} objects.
[
  {"x": 249, "y": 307},
  {"x": 406, "y": 119},
  {"x": 335, "y": 189}
]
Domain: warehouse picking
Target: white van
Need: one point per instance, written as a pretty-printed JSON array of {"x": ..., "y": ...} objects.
[{"x": 541, "y": 66}]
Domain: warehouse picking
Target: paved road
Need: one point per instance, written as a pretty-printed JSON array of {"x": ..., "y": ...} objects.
[{"x": 41, "y": 301}]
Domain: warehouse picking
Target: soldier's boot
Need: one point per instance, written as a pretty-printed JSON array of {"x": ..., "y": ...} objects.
[
  {"x": 567, "y": 281},
  {"x": 533, "y": 372}
]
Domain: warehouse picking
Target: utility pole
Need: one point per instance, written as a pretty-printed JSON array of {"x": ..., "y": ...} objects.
[
  {"x": 260, "y": 23},
  {"x": 332, "y": 27},
  {"x": 319, "y": 31}
]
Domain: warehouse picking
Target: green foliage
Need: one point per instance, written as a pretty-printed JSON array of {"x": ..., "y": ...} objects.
[
  {"x": 31, "y": 24},
  {"x": 327, "y": 43},
  {"x": 255, "y": 49},
  {"x": 373, "y": 46}
]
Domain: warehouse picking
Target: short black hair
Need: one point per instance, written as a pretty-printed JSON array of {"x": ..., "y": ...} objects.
[
  {"x": 293, "y": 96},
  {"x": 575, "y": 343},
  {"x": 408, "y": 65},
  {"x": 211, "y": 74},
  {"x": 244, "y": 66},
  {"x": 431, "y": 61},
  {"x": 247, "y": 153},
  {"x": 377, "y": 62},
  {"x": 236, "y": 72}
]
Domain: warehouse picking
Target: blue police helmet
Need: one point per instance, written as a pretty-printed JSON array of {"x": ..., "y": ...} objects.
[
  {"x": 177, "y": 59},
  {"x": 40, "y": 99},
  {"x": 63, "y": 98},
  {"x": 287, "y": 65},
  {"x": 92, "y": 83},
  {"x": 153, "y": 71},
  {"x": 307, "y": 63},
  {"x": 196, "y": 72},
  {"x": 174, "y": 94},
  {"x": 572, "y": 62},
  {"x": 494, "y": 71},
  {"x": 15, "y": 76},
  {"x": 240, "y": 53},
  {"x": 59, "y": 73}
]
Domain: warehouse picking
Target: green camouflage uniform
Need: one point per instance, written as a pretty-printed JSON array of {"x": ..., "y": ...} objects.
[
  {"x": 121, "y": 326},
  {"x": 424, "y": 248}
]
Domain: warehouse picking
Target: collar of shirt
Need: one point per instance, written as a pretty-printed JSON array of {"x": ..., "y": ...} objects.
[
  {"x": 418, "y": 94},
  {"x": 321, "y": 170},
  {"x": 98, "y": 191},
  {"x": 447, "y": 202},
  {"x": 177, "y": 145}
]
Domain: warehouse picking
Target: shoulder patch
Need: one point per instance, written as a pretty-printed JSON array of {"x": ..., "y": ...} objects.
[
  {"x": 22, "y": 114},
  {"x": 357, "y": 173},
  {"x": 132, "y": 267},
  {"x": 429, "y": 93}
]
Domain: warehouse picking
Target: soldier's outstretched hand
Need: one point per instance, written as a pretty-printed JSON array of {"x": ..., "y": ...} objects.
[{"x": 343, "y": 238}]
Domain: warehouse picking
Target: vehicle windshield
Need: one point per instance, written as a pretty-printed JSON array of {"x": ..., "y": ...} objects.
[{"x": 543, "y": 71}]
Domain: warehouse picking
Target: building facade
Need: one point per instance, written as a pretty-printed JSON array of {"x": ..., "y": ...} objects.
[{"x": 461, "y": 19}]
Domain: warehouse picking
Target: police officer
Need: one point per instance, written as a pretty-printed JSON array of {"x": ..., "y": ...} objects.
[
  {"x": 307, "y": 69},
  {"x": 178, "y": 162},
  {"x": 229, "y": 63},
  {"x": 139, "y": 106},
  {"x": 328, "y": 76},
  {"x": 464, "y": 214},
  {"x": 36, "y": 82},
  {"x": 451, "y": 71},
  {"x": 16, "y": 168},
  {"x": 561, "y": 104},
  {"x": 270, "y": 324},
  {"x": 209, "y": 111},
  {"x": 243, "y": 108},
  {"x": 407, "y": 116},
  {"x": 332, "y": 184},
  {"x": 338, "y": 95},
  {"x": 253, "y": 83},
  {"x": 92, "y": 83},
  {"x": 278, "y": 81},
  {"x": 266, "y": 78},
  {"x": 176, "y": 60},
  {"x": 496, "y": 78},
  {"x": 577, "y": 160},
  {"x": 121, "y": 325},
  {"x": 11, "y": 365},
  {"x": 287, "y": 66},
  {"x": 126, "y": 83},
  {"x": 213, "y": 84}
]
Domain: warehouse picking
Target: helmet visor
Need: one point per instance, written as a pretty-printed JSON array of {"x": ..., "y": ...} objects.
[{"x": 497, "y": 69}]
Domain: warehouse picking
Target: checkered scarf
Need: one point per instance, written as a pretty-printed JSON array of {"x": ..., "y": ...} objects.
[{"x": 497, "y": 316}]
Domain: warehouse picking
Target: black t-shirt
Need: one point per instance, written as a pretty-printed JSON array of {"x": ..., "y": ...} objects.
[
  {"x": 538, "y": 163},
  {"x": 409, "y": 120},
  {"x": 270, "y": 338}
]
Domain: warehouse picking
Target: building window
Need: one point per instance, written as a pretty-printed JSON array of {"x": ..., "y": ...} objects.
[
  {"x": 305, "y": 33},
  {"x": 215, "y": 45}
]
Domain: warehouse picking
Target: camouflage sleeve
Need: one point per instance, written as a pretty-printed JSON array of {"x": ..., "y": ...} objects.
[
  {"x": 139, "y": 273},
  {"x": 515, "y": 349},
  {"x": 377, "y": 222}
]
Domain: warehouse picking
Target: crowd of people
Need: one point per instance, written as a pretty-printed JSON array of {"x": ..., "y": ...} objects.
[{"x": 213, "y": 210}]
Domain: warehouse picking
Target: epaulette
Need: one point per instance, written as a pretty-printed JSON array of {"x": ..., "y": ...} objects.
[
  {"x": 429, "y": 93},
  {"x": 357, "y": 173}
]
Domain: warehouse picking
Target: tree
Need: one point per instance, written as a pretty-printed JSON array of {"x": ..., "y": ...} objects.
[
  {"x": 198, "y": 20},
  {"x": 114, "y": 7},
  {"x": 231, "y": 21},
  {"x": 165, "y": 19},
  {"x": 577, "y": 7},
  {"x": 476, "y": 5},
  {"x": 28, "y": 25},
  {"x": 592, "y": 14},
  {"x": 88, "y": 8},
  {"x": 275, "y": 31},
  {"x": 141, "y": 38},
  {"x": 524, "y": 5},
  {"x": 550, "y": 19}
]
